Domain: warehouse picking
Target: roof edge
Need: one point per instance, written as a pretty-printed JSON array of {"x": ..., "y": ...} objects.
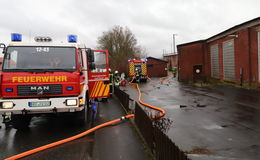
[
  {"x": 247, "y": 24},
  {"x": 189, "y": 43},
  {"x": 157, "y": 59}
]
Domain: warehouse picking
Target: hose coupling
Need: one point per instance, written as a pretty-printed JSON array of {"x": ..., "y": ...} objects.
[{"x": 122, "y": 118}]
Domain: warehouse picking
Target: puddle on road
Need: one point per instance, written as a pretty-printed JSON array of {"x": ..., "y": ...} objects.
[
  {"x": 199, "y": 150},
  {"x": 174, "y": 106},
  {"x": 213, "y": 126}
]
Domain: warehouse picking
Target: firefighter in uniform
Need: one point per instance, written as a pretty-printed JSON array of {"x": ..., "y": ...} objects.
[
  {"x": 117, "y": 78},
  {"x": 111, "y": 82},
  {"x": 137, "y": 75}
]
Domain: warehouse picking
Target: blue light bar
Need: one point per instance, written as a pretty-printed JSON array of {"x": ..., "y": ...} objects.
[
  {"x": 9, "y": 89},
  {"x": 72, "y": 38},
  {"x": 69, "y": 88},
  {"x": 16, "y": 37}
]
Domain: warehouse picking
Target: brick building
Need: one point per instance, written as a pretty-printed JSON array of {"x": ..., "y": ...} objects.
[
  {"x": 156, "y": 67},
  {"x": 232, "y": 55},
  {"x": 172, "y": 60}
]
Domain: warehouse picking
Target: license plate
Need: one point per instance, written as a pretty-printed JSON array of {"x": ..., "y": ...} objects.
[{"x": 40, "y": 104}]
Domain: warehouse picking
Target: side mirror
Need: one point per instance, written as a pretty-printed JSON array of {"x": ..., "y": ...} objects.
[
  {"x": 2, "y": 45},
  {"x": 90, "y": 55}
]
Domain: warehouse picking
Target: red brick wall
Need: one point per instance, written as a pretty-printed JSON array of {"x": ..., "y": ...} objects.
[
  {"x": 156, "y": 68},
  {"x": 254, "y": 53},
  {"x": 245, "y": 50},
  {"x": 240, "y": 53},
  {"x": 189, "y": 56}
]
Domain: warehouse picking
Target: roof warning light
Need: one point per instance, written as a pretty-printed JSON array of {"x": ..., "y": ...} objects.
[
  {"x": 16, "y": 37},
  {"x": 72, "y": 38}
]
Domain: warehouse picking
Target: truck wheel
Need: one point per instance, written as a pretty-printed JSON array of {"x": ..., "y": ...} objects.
[
  {"x": 104, "y": 100},
  {"x": 21, "y": 122},
  {"x": 81, "y": 117},
  {"x": 89, "y": 115}
]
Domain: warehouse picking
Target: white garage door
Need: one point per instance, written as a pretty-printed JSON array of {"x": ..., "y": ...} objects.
[
  {"x": 259, "y": 56},
  {"x": 214, "y": 61},
  {"x": 229, "y": 60}
]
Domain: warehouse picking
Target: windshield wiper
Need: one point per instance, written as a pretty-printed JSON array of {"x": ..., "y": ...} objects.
[
  {"x": 15, "y": 70},
  {"x": 39, "y": 70},
  {"x": 63, "y": 70},
  {"x": 50, "y": 70}
]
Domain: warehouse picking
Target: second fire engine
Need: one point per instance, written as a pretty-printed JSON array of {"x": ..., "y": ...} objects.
[{"x": 137, "y": 69}]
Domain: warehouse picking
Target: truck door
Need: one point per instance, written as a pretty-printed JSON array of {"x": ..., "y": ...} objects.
[{"x": 98, "y": 75}]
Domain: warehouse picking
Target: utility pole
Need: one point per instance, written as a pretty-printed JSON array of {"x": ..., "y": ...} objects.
[{"x": 174, "y": 43}]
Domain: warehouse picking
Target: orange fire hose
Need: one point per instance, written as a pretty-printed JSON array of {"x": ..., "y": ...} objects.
[{"x": 30, "y": 152}]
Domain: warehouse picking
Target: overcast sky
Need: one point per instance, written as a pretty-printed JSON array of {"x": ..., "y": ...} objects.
[{"x": 152, "y": 21}]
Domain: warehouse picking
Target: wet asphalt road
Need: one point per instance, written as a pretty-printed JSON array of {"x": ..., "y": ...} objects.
[
  {"x": 214, "y": 122},
  {"x": 110, "y": 143}
]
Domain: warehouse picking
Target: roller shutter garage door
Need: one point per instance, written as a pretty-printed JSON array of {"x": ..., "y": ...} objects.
[
  {"x": 229, "y": 60},
  {"x": 258, "y": 56},
  {"x": 214, "y": 61}
]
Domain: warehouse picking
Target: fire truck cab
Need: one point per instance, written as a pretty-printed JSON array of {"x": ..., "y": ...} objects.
[{"x": 44, "y": 77}]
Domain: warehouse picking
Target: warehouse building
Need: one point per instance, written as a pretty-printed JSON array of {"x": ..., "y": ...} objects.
[
  {"x": 156, "y": 67},
  {"x": 232, "y": 55}
]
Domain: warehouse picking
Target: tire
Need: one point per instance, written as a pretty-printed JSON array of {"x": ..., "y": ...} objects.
[
  {"x": 21, "y": 122},
  {"x": 89, "y": 115},
  {"x": 81, "y": 117},
  {"x": 104, "y": 100}
]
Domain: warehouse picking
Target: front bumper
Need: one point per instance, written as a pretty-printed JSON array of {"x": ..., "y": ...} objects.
[{"x": 56, "y": 105}]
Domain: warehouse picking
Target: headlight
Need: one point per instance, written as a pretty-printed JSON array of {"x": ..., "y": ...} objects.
[
  {"x": 71, "y": 102},
  {"x": 7, "y": 105}
]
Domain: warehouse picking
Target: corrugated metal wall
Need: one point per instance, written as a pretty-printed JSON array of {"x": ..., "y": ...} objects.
[
  {"x": 258, "y": 56},
  {"x": 228, "y": 60},
  {"x": 214, "y": 61}
]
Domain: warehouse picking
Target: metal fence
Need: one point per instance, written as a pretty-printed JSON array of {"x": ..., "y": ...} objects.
[
  {"x": 160, "y": 144},
  {"x": 123, "y": 98}
]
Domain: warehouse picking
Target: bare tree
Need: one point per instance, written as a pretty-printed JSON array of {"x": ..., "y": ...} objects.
[{"x": 122, "y": 45}]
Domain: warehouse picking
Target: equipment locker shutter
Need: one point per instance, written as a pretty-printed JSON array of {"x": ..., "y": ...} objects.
[
  {"x": 258, "y": 56},
  {"x": 214, "y": 61},
  {"x": 229, "y": 60}
]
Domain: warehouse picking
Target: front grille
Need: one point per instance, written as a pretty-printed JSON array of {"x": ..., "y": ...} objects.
[{"x": 32, "y": 90}]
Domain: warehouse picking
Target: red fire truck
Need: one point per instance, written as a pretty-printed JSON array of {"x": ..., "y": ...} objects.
[
  {"x": 138, "y": 65},
  {"x": 44, "y": 77}
]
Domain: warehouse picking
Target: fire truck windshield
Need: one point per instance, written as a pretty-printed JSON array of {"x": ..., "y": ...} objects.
[{"x": 39, "y": 58}]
